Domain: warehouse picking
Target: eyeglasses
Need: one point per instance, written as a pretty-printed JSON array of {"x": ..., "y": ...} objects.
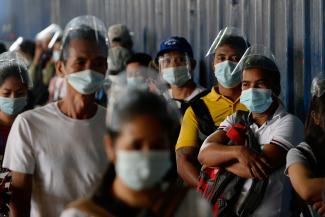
[{"x": 168, "y": 61}]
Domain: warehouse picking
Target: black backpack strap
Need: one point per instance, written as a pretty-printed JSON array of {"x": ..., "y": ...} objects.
[
  {"x": 253, "y": 198},
  {"x": 199, "y": 95},
  {"x": 186, "y": 104},
  {"x": 203, "y": 116}
]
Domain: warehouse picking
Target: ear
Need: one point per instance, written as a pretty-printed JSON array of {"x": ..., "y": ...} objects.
[
  {"x": 59, "y": 68},
  {"x": 213, "y": 64},
  {"x": 108, "y": 142}
]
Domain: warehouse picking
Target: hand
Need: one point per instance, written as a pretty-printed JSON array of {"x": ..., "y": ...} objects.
[
  {"x": 257, "y": 165},
  {"x": 320, "y": 208}
]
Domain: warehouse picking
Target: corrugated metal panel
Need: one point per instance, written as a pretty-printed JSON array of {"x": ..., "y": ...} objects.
[{"x": 292, "y": 29}]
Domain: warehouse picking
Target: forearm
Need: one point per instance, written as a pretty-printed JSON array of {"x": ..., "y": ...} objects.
[
  {"x": 21, "y": 188},
  {"x": 188, "y": 172},
  {"x": 217, "y": 154},
  {"x": 188, "y": 166},
  {"x": 20, "y": 203},
  {"x": 310, "y": 189}
]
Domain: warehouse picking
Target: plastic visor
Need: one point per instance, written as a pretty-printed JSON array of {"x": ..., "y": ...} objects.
[
  {"x": 13, "y": 58},
  {"x": 86, "y": 21},
  {"x": 222, "y": 35},
  {"x": 119, "y": 89},
  {"x": 257, "y": 56},
  {"x": 318, "y": 85}
]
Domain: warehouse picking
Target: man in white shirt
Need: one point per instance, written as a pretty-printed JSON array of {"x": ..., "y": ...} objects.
[
  {"x": 275, "y": 130},
  {"x": 55, "y": 152}
]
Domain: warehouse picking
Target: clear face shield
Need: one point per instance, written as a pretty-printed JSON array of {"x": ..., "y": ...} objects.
[
  {"x": 86, "y": 23},
  {"x": 257, "y": 56},
  {"x": 175, "y": 69},
  {"x": 317, "y": 92},
  {"x": 16, "y": 45},
  {"x": 18, "y": 62},
  {"x": 48, "y": 32},
  {"x": 318, "y": 85},
  {"x": 228, "y": 33},
  {"x": 47, "y": 35},
  {"x": 141, "y": 80}
]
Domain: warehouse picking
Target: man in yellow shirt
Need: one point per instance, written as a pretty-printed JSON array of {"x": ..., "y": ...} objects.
[{"x": 205, "y": 114}]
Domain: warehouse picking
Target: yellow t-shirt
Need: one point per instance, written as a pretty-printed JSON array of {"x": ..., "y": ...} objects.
[{"x": 219, "y": 107}]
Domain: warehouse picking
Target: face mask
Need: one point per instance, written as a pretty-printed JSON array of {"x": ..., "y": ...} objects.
[
  {"x": 86, "y": 82},
  {"x": 137, "y": 83},
  {"x": 56, "y": 56},
  {"x": 176, "y": 75},
  {"x": 223, "y": 72},
  {"x": 142, "y": 170},
  {"x": 256, "y": 99},
  {"x": 12, "y": 106}
]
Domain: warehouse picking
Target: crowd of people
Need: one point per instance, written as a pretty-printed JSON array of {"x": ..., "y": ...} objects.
[{"x": 91, "y": 128}]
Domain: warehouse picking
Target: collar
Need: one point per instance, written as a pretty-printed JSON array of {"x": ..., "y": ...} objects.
[
  {"x": 279, "y": 113},
  {"x": 216, "y": 96}
]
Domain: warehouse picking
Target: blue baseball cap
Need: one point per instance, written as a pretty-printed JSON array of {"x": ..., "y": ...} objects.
[{"x": 175, "y": 43}]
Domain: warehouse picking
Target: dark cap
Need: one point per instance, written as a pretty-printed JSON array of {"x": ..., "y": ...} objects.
[{"x": 175, "y": 43}]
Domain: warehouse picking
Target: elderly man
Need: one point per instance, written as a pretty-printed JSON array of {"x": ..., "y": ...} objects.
[{"x": 55, "y": 152}]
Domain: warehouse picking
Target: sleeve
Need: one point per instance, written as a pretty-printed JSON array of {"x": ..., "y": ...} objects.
[
  {"x": 72, "y": 212},
  {"x": 288, "y": 133},
  {"x": 227, "y": 123},
  {"x": 188, "y": 135},
  {"x": 19, "y": 155},
  {"x": 296, "y": 156}
]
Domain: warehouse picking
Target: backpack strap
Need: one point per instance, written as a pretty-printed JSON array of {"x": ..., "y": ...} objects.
[
  {"x": 253, "y": 198},
  {"x": 199, "y": 95},
  {"x": 205, "y": 121},
  {"x": 186, "y": 104},
  {"x": 89, "y": 207}
]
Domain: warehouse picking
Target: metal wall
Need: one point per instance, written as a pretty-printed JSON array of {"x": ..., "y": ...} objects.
[{"x": 292, "y": 29}]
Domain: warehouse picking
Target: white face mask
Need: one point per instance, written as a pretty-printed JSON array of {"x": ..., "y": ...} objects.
[
  {"x": 137, "y": 83},
  {"x": 86, "y": 82},
  {"x": 176, "y": 75},
  {"x": 142, "y": 170}
]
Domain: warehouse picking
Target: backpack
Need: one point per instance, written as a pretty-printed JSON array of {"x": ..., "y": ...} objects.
[{"x": 222, "y": 188}]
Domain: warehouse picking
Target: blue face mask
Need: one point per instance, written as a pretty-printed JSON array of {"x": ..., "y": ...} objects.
[
  {"x": 176, "y": 75},
  {"x": 137, "y": 83},
  {"x": 86, "y": 82},
  {"x": 142, "y": 170},
  {"x": 256, "y": 99},
  {"x": 12, "y": 106},
  {"x": 224, "y": 73}
]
